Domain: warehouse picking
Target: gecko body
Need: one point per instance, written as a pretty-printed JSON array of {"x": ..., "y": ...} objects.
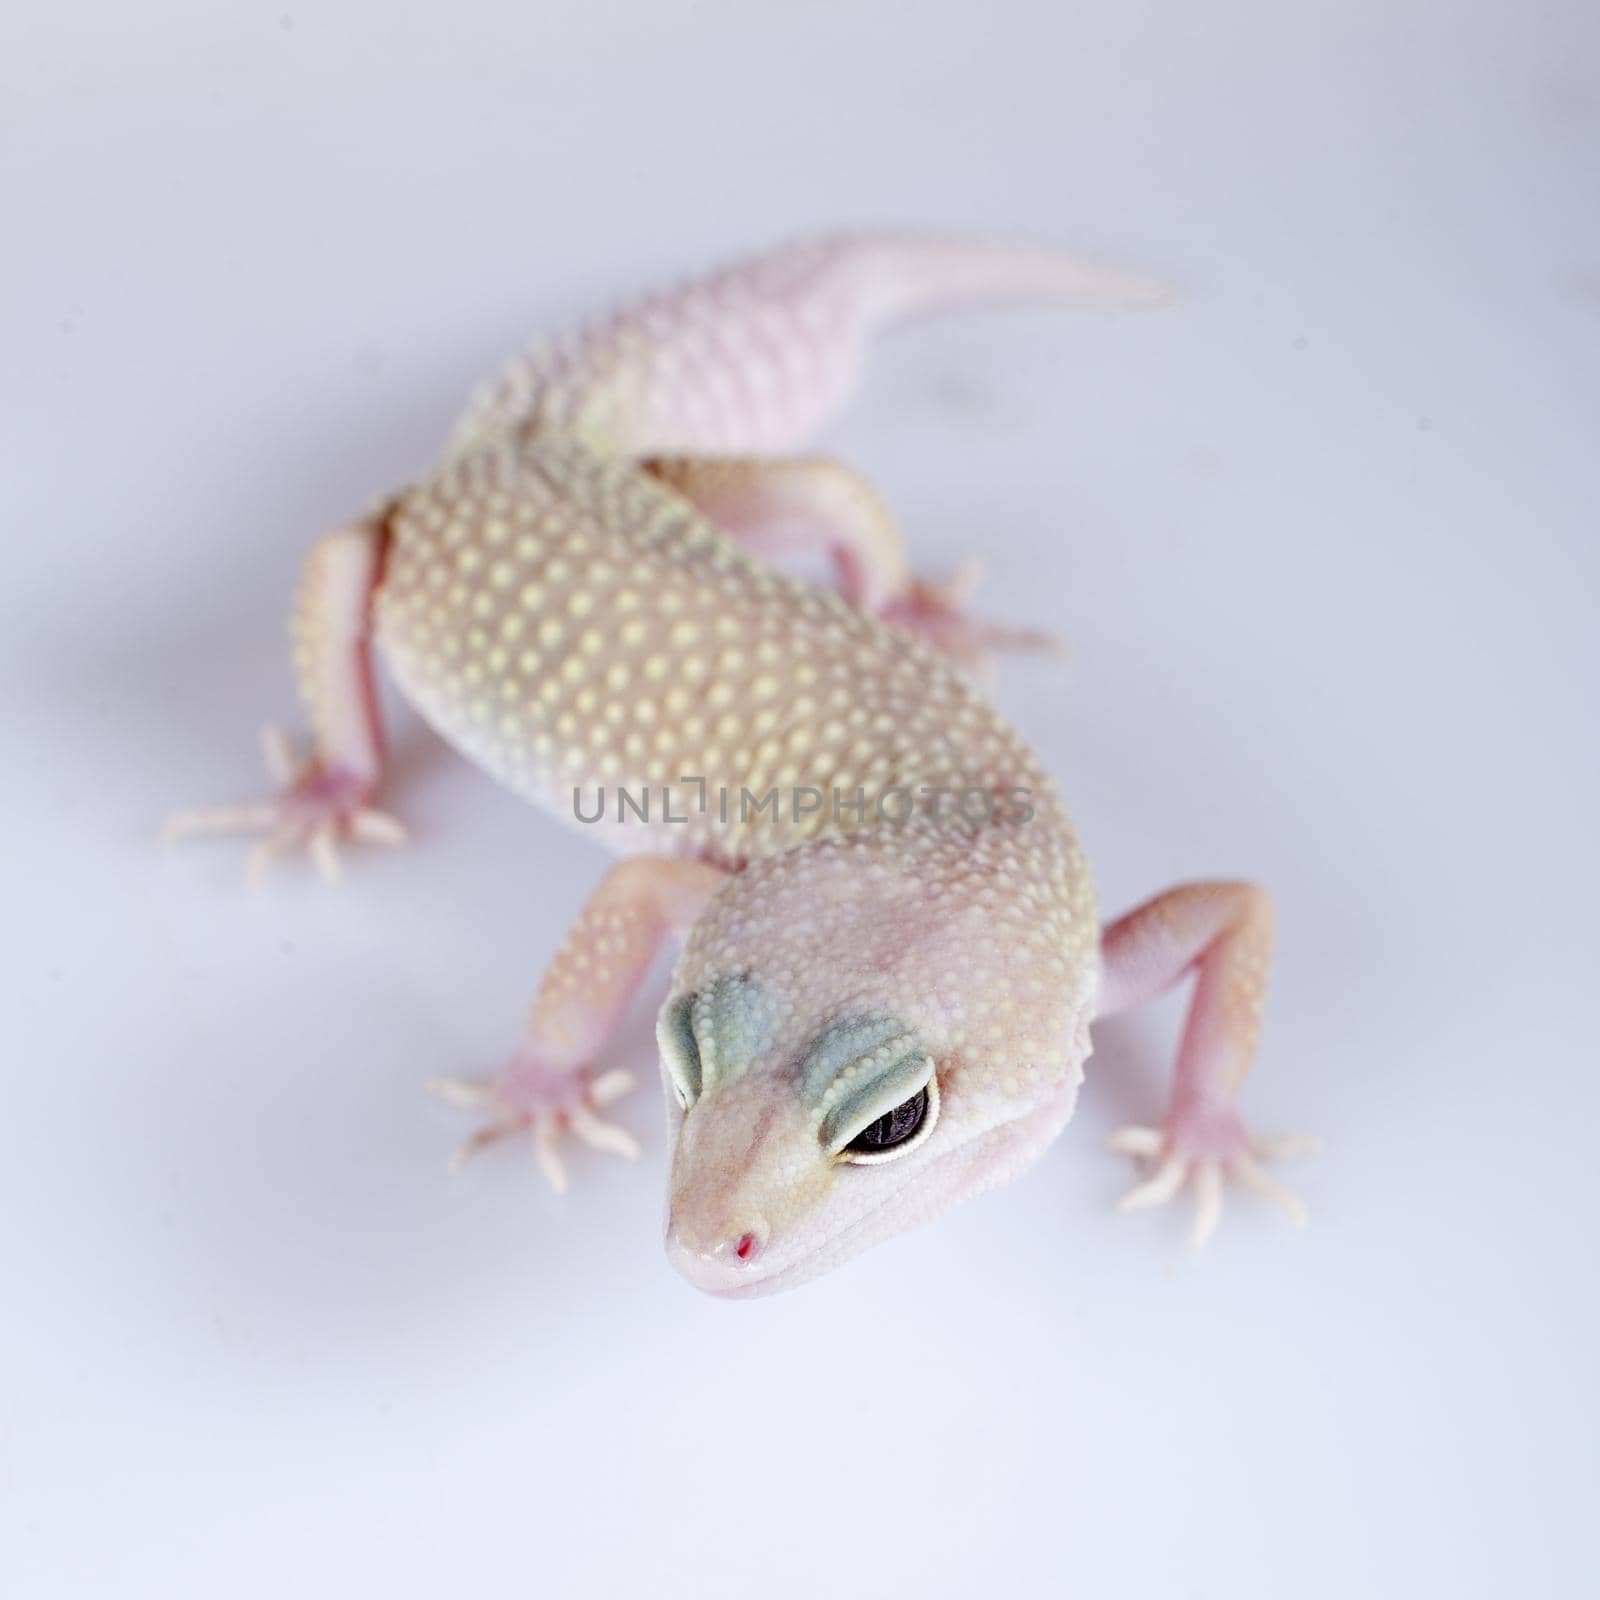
[{"x": 892, "y": 954}]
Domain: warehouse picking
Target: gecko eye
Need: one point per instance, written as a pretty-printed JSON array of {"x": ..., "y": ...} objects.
[
  {"x": 680, "y": 1051},
  {"x": 898, "y": 1131}
]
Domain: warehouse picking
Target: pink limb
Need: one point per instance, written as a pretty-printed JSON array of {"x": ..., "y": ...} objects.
[
  {"x": 778, "y": 506},
  {"x": 548, "y": 1086},
  {"x": 325, "y": 797},
  {"x": 753, "y": 359},
  {"x": 1223, "y": 933}
]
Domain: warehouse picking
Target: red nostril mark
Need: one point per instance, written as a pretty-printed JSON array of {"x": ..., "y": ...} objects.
[{"x": 747, "y": 1246}]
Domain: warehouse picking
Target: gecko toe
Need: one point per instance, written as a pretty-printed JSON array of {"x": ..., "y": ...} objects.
[
  {"x": 1156, "y": 1191},
  {"x": 1245, "y": 1170},
  {"x": 1208, "y": 1201},
  {"x": 1136, "y": 1141}
]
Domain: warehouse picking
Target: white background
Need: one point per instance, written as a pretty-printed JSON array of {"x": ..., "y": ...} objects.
[{"x": 1322, "y": 538}]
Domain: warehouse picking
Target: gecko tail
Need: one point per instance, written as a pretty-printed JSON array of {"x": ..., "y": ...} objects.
[
  {"x": 908, "y": 275},
  {"x": 754, "y": 359}
]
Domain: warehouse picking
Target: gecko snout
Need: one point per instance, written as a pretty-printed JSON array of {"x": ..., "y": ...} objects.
[{"x": 719, "y": 1259}]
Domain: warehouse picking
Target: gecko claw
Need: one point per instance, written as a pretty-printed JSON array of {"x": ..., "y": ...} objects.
[
  {"x": 371, "y": 826},
  {"x": 1135, "y": 1141},
  {"x": 262, "y": 857},
  {"x": 1207, "y": 1201},
  {"x": 490, "y": 1133},
  {"x": 546, "y": 1154},
  {"x": 599, "y": 1134},
  {"x": 465, "y": 1094},
  {"x": 543, "y": 1103},
  {"x": 325, "y": 853},
  {"x": 317, "y": 809},
  {"x": 1211, "y": 1154},
  {"x": 610, "y": 1086}
]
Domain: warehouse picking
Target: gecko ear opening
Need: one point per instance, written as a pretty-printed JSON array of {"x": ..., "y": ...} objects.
[{"x": 680, "y": 1052}]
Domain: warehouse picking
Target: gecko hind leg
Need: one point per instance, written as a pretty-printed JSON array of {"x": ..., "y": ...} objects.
[
  {"x": 549, "y": 1086},
  {"x": 1223, "y": 933},
  {"x": 776, "y": 506},
  {"x": 325, "y": 797}
]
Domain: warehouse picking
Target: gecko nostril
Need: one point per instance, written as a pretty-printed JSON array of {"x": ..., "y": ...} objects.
[{"x": 719, "y": 1246}]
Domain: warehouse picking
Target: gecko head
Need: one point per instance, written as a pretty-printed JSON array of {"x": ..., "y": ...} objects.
[{"x": 839, "y": 1067}]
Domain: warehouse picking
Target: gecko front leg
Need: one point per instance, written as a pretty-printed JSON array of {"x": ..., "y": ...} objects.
[
  {"x": 327, "y": 796},
  {"x": 779, "y": 506},
  {"x": 549, "y": 1085},
  {"x": 1223, "y": 931}
]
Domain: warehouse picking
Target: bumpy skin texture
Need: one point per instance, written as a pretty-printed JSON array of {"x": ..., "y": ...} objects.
[
  {"x": 569, "y": 622},
  {"x": 574, "y": 600}
]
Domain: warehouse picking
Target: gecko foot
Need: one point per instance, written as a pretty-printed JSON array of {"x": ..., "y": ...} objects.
[
  {"x": 527, "y": 1098},
  {"x": 1209, "y": 1147},
  {"x": 935, "y": 610},
  {"x": 318, "y": 807}
]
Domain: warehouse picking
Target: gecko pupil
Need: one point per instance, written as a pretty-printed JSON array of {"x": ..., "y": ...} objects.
[{"x": 893, "y": 1127}]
